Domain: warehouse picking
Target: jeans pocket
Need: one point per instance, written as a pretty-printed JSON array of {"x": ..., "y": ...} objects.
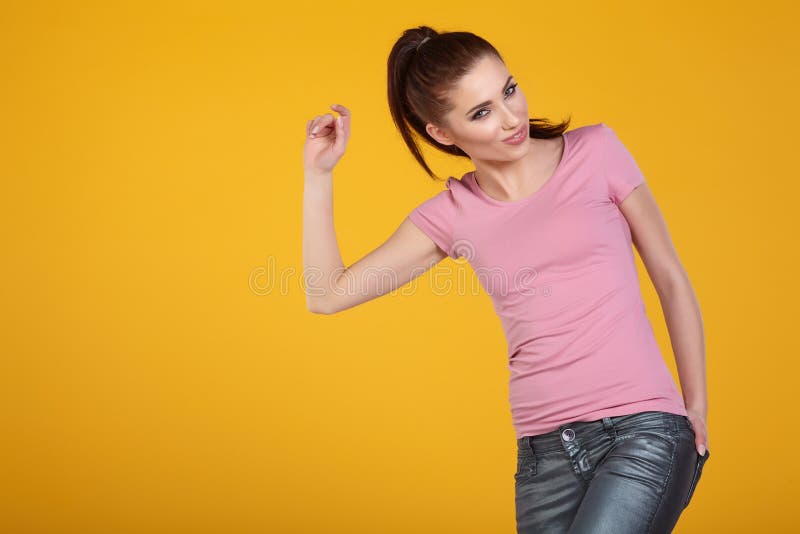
[
  {"x": 646, "y": 424},
  {"x": 698, "y": 470}
]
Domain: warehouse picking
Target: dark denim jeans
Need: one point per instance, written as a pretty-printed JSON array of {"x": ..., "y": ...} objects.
[{"x": 629, "y": 474}]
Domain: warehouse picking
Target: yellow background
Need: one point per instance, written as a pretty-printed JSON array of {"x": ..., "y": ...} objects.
[{"x": 159, "y": 369}]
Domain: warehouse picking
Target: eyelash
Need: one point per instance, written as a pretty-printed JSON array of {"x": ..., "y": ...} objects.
[{"x": 478, "y": 117}]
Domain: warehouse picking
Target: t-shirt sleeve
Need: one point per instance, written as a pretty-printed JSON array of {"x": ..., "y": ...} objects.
[
  {"x": 435, "y": 217},
  {"x": 621, "y": 170}
]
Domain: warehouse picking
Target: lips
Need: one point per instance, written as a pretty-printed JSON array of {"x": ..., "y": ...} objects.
[{"x": 519, "y": 132}]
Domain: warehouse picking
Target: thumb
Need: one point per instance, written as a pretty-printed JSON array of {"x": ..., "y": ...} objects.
[{"x": 338, "y": 143}]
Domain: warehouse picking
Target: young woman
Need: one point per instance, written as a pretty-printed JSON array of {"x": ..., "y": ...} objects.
[{"x": 605, "y": 441}]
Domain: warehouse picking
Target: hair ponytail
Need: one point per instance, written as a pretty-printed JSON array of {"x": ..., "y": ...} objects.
[{"x": 423, "y": 66}]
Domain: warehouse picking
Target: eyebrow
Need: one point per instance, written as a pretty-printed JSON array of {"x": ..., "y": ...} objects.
[{"x": 482, "y": 104}]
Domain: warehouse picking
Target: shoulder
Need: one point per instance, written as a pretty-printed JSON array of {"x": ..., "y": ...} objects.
[
  {"x": 454, "y": 191},
  {"x": 445, "y": 201},
  {"x": 597, "y": 140},
  {"x": 591, "y": 133},
  {"x": 437, "y": 216}
]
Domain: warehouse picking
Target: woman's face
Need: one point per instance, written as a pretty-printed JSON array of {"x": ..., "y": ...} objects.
[{"x": 488, "y": 108}]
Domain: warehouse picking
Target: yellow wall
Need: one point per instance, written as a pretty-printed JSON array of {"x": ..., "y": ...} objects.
[{"x": 151, "y": 176}]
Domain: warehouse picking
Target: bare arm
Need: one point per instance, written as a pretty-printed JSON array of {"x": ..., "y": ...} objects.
[
  {"x": 681, "y": 308},
  {"x": 330, "y": 286}
]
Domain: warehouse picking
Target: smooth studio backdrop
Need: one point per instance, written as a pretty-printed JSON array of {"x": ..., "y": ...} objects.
[{"x": 159, "y": 370}]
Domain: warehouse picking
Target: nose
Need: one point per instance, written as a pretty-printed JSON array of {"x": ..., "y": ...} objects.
[{"x": 510, "y": 120}]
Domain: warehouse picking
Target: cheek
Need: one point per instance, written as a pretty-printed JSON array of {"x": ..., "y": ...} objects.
[
  {"x": 488, "y": 134},
  {"x": 520, "y": 103},
  {"x": 480, "y": 134}
]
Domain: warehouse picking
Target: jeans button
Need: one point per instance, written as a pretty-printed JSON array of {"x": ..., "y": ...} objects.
[{"x": 568, "y": 434}]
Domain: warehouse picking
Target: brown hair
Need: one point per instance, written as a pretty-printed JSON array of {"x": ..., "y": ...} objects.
[{"x": 423, "y": 67}]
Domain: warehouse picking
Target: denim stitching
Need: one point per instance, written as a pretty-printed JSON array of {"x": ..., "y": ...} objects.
[
  {"x": 698, "y": 468},
  {"x": 668, "y": 432},
  {"x": 665, "y": 486}
]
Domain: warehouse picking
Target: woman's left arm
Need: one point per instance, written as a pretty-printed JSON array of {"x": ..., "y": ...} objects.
[{"x": 681, "y": 309}]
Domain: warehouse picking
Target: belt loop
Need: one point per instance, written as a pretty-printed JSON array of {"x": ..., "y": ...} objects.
[
  {"x": 530, "y": 443},
  {"x": 608, "y": 424}
]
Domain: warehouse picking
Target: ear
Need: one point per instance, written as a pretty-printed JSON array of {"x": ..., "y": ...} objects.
[{"x": 438, "y": 134}]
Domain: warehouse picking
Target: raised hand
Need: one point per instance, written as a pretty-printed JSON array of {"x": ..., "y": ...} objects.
[{"x": 326, "y": 139}]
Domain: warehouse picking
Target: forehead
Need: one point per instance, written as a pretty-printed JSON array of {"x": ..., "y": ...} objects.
[{"x": 484, "y": 82}]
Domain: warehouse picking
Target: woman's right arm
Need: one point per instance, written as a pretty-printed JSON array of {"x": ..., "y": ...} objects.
[{"x": 330, "y": 286}]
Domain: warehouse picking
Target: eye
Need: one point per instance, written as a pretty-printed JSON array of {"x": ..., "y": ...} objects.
[{"x": 510, "y": 87}]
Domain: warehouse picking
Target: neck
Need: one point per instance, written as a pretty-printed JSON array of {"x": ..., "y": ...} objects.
[{"x": 508, "y": 180}]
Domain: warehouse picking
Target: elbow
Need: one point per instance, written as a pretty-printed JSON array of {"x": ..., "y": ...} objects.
[
  {"x": 316, "y": 308},
  {"x": 672, "y": 283},
  {"x": 319, "y": 311},
  {"x": 319, "y": 307},
  {"x": 321, "y": 302}
]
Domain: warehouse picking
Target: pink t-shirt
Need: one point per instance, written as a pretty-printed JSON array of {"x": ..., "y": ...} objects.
[{"x": 560, "y": 270}]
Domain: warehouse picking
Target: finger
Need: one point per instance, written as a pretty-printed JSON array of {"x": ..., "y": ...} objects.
[
  {"x": 345, "y": 114},
  {"x": 326, "y": 120},
  {"x": 308, "y": 127},
  {"x": 341, "y": 109},
  {"x": 317, "y": 123},
  {"x": 338, "y": 143},
  {"x": 313, "y": 129},
  {"x": 324, "y": 126},
  {"x": 316, "y": 126},
  {"x": 345, "y": 117}
]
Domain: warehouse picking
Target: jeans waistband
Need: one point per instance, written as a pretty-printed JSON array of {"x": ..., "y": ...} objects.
[{"x": 585, "y": 430}]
